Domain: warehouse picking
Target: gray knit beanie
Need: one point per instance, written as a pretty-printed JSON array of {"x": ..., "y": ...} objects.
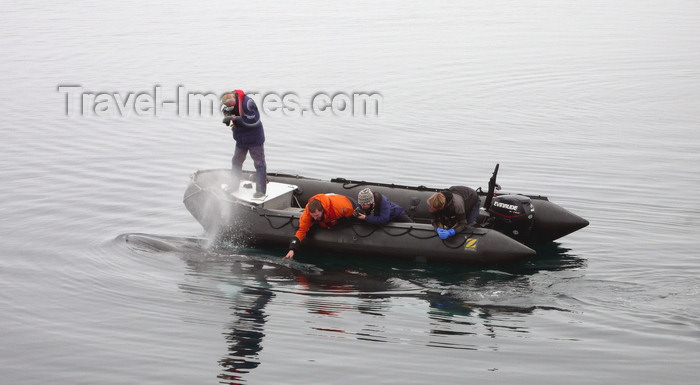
[{"x": 365, "y": 197}]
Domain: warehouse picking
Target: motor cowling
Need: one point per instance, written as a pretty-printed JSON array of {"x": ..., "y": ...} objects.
[{"x": 512, "y": 215}]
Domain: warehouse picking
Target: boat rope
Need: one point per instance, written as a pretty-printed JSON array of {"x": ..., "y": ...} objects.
[
  {"x": 289, "y": 222},
  {"x": 296, "y": 200},
  {"x": 191, "y": 195},
  {"x": 350, "y": 184},
  {"x": 200, "y": 189},
  {"x": 409, "y": 232},
  {"x": 354, "y": 227}
]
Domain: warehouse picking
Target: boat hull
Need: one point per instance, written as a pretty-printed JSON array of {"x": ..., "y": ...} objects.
[
  {"x": 223, "y": 215},
  {"x": 410, "y": 241}
]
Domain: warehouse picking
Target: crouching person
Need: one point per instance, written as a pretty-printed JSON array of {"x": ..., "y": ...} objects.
[
  {"x": 327, "y": 210},
  {"x": 378, "y": 210},
  {"x": 452, "y": 210}
]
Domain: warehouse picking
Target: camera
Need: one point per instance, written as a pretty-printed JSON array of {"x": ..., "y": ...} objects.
[
  {"x": 358, "y": 211},
  {"x": 228, "y": 111}
]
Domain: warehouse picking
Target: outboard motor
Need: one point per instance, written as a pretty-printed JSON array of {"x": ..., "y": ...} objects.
[{"x": 513, "y": 216}]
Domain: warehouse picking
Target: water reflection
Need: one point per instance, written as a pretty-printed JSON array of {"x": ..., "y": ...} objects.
[
  {"x": 247, "y": 328},
  {"x": 452, "y": 307},
  {"x": 554, "y": 257}
]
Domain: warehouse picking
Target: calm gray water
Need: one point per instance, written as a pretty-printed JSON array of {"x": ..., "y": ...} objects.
[{"x": 105, "y": 278}]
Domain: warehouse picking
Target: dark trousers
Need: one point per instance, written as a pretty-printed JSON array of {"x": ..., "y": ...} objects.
[
  {"x": 258, "y": 155},
  {"x": 474, "y": 213}
]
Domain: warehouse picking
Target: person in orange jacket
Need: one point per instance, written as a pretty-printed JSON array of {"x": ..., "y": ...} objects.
[{"x": 326, "y": 210}]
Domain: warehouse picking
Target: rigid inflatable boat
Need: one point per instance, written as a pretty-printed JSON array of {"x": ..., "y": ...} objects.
[{"x": 508, "y": 224}]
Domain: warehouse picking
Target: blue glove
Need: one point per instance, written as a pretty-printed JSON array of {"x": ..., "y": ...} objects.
[
  {"x": 441, "y": 232},
  {"x": 444, "y": 234}
]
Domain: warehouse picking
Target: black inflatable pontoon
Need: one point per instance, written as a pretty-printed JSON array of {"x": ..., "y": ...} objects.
[{"x": 508, "y": 223}]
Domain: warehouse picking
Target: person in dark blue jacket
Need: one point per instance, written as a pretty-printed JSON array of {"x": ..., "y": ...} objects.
[
  {"x": 378, "y": 210},
  {"x": 242, "y": 115}
]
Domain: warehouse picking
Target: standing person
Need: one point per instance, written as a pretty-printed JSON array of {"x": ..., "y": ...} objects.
[
  {"x": 325, "y": 209},
  {"x": 452, "y": 210},
  {"x": 242, "y": 115},
  {"x": 378, "y": 210}
]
